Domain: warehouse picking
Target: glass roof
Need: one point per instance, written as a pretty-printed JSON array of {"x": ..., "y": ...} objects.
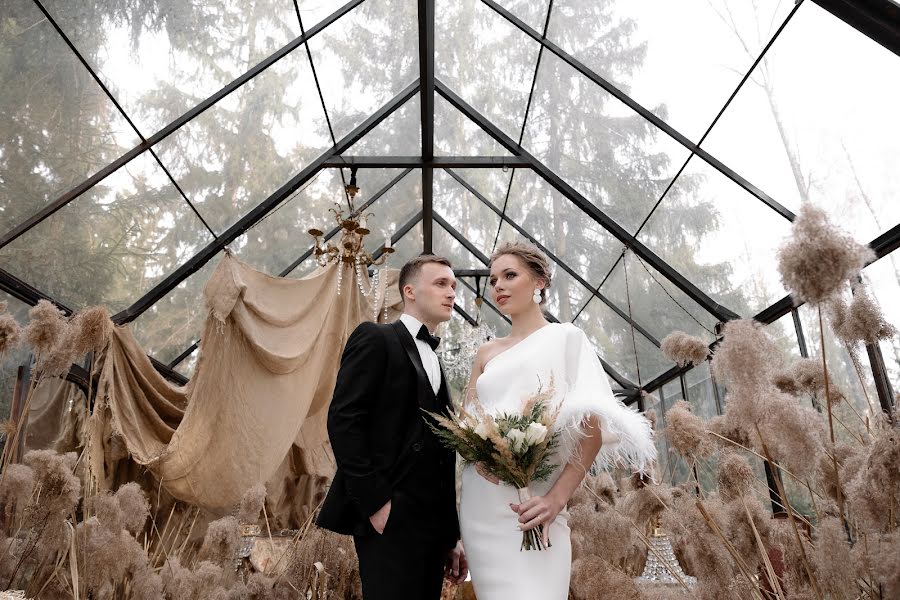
[{"x": 137, "y": 137}]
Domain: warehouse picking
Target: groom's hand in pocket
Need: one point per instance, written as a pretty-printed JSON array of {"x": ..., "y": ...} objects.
[
  {"x": 379, "y": 520},
  {"x": 457, "y": 567}
]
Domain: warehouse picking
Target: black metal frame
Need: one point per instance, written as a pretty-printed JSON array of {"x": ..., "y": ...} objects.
[
  {"x": 436, "y": 162},
  {"x": 426, "y": 76}
]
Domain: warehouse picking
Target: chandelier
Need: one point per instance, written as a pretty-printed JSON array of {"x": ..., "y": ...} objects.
[
  {"x": 351, "y": 250},
  {"x": 662, "y": 566}
]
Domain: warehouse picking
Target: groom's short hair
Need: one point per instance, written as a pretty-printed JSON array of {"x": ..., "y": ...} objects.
[{"x": 413, "y": 267}]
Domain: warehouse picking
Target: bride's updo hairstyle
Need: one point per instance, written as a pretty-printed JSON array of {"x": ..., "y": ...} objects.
[{"x": 534, "y": 259}]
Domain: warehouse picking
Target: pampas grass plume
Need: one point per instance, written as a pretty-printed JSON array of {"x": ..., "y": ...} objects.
[
  {"x": 10, "y": 333},
  {"x": 819, "y": 258},
  {"x": 735, "y": 476},
  {"x": 687, "y": 432},
  {"x": 135, "y": 507},
  {"x": 45, "y": 328},
  {"x": 747, "y": 356},
  {"x": 252, "y": 503},
  {"x": 860, "y": 322},
  {"x": 91, "y": 330},
  {"x": 222, "y": 540},
  {"x": 684, "y": 349}
]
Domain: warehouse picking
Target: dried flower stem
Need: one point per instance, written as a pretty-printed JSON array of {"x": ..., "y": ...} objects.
[
  {"x": 837, "y": 473},
  {"x": 770, "y": 571},
  {"x": 738, "y": 560},
  {"x": 856, "y": 437},
  {"x": 161, "y": 536},
  {"x": 760, "y": 456},
  {"x": 269, "y": 531},
  {"x": 858, "y": 368},
  {"x": 793, "y": 522},
  {"x": 304, "y": 528}
]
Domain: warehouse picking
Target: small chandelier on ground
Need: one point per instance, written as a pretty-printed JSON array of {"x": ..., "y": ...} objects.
[
  {"x": 662, "y": 566},
  {"x": 350, "y": 249}
]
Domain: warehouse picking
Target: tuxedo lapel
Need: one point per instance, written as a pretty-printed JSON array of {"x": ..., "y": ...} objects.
[{"x": 412, "y": 352}]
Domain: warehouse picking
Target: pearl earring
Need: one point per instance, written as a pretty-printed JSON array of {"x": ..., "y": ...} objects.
[{"x": 536, "y": 298}]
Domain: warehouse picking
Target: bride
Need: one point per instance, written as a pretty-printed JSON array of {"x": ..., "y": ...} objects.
[{"x": 595, "y": 429}]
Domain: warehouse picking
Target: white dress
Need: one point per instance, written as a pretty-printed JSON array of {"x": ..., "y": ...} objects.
[{"x": 490, "y": 533}]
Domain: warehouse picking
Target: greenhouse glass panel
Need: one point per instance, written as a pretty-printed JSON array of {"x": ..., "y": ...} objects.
[
  {"x": 160, "y": 59},
  {"x": 364, "y": 59},
  {"x": 684, "y": 73},
  {"x": 561, "y": 227},
  {"x": 612, "y": 339},
  {"x": 457, "y": 135},
  {"x": 720, "y": 238},
  {"x": 817, "y": 123},
  {"x": 57, "y": 127},
  {"x": 656, "y": 303},
  {"x": 113, "y": 243},
  {"x": 465, "y": 212},
  {"x": 237, "y": 153},
  {"x": 398, "y": 135},
  {"x": 485, "y": 60},
  {"x": 532, "y": 12},
  {"x": 611, "y": 155}
]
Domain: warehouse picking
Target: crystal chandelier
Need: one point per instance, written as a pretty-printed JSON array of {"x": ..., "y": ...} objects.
[
  {"x": 458, "y": 361},
  {"x": 350, "y": 250},
  {"x": 662, "y": 566}
]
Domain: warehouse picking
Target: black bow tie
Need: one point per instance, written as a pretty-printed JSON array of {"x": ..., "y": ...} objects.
[{"x": 432, "y": 340}]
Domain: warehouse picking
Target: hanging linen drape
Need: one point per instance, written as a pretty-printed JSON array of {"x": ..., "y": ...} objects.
[{"x": 268, "y": 361}]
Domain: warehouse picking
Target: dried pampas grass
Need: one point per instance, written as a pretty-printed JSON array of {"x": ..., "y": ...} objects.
[
  {"x": 687, "y": 432},
  {"x": 819, "y": 258},
  {"x": 684, "y": 349},
  {"x": 252, "y": 503},
  {"x": 804, "y": 375},
  {"x": 860, "y": 322},
  {"x": 746, "y": 358},
  {"x": 91, "y": 330},
  {"x": 135, "y": 507},
  {"x": 735, "y": 476},
  {"x": 10, "y": 333},
  {"x": 592, "y": 574},
  {"x": 221, "y": 541},
  {"x": 45, "y": 327},
  {"x": 874, "y": 491}
]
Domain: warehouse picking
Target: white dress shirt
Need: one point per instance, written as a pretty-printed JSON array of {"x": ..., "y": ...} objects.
[{"x": 428, "y": 356}]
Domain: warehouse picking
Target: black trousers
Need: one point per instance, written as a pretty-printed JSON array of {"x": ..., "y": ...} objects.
[{"x": 399, "y": 566}]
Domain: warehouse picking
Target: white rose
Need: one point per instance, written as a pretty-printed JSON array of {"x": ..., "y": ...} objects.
[
  {"x": 481, "y": 430},
  {"x": 517, "y": 439},
  {"x": 535, "y": 434}
]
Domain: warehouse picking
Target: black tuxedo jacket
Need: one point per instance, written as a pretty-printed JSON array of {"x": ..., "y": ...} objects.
[{"x": 383, "y": 447}]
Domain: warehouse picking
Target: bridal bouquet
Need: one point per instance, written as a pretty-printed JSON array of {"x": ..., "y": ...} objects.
[{"x": 514, "y": 448}]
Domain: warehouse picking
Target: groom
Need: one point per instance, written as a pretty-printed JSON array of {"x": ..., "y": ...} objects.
[{"x": 395, "y": 486}]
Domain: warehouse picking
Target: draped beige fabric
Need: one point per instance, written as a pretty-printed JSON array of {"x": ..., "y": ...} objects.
[
  {"x": 56, "y": 416},
  {"x": 268, "y": 361}
]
